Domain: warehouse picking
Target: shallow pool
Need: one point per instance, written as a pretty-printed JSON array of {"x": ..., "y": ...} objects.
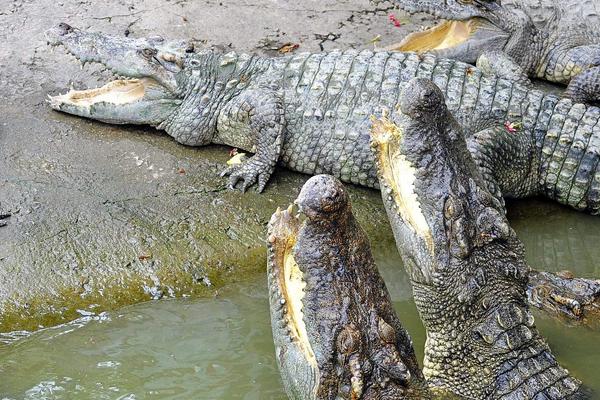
[{"x": 221, "y": 348}]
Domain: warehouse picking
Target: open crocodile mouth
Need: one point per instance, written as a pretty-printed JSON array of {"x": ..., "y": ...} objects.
[
  {"x": 444, "y": 35},
  {"x": 398, "y": 177},
  {"x": 289, "y": 278},
  {"x": 120, "y": 91}
]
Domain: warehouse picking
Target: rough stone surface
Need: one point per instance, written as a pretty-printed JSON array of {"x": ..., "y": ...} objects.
[{"x": 94, "y": 216}]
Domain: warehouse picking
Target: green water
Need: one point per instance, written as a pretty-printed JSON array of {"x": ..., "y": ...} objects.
[{"x": 221, "y": 348}]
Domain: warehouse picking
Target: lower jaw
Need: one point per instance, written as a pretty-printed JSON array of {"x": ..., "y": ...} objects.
[
  {"x": 442, "y": 36},
  {"x": 117, "y": 92}
]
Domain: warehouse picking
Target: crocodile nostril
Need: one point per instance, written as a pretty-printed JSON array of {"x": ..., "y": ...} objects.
[{"x": 65, "y": 28}]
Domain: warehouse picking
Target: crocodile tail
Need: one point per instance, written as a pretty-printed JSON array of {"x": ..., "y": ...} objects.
[{"x": 570, "y": 155}]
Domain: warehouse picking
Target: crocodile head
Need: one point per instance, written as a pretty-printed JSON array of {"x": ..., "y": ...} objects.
[
  {"x": 466, "y": 264},
  {"x": 468, "y": 27},
  {"x": 148, "y": 92},
  {"x": 335, "y": 332},
  {"x": 165, "y": 84}
]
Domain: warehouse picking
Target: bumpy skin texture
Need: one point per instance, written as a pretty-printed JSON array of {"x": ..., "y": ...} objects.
[
  {"x": 543, "y": 39},
  {"x": 571, "y": 11},
  {"x": 466, "y": 264},
  {"x": 575, "y": 300},
  {"x": 358, "y": 348},
  {"x": 310, "y": 113}
]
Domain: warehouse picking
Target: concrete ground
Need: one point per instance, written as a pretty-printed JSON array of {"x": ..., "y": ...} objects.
[{"x": 98, "y": 216}]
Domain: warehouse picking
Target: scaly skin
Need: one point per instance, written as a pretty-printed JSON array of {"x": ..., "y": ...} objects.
[
  {"x": 563, "y": 46},
  {"x": 310, "y": 113},
  {"x": 570, "y": 11},
  {"x": 335, "y": 331},
  {"x": 466, "y": 264},
  {"x": 336, "y": 334}
]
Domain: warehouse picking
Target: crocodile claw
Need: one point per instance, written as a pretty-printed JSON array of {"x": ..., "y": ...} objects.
[{"x": 248, "y": 173}]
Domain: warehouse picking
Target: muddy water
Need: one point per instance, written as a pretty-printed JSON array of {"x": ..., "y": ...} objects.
[{"x": 221, "y": 348}]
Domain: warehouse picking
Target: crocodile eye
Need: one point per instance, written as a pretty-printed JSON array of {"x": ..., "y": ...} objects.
[
  {"x": 194, "y": 63},
  {"x": 148, "y": 52}
]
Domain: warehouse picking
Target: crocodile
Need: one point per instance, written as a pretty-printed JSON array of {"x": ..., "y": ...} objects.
[
  {"x": 466, "y": 265},
  {"x": 517, "y": 39},
  {"x": 310, "y": 112},
  {"x": 335, "y": 331}
]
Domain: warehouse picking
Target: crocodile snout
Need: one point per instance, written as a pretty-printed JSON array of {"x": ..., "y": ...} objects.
[
  {"x": 64, "y": 28},
  {"x": 421, "y": 97},
  {"x": 56, "y": 34},
  {"x": 322, "y": 196}
]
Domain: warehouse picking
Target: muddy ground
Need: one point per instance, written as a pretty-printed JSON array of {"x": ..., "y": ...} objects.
[{"x": 99, "y": 216}]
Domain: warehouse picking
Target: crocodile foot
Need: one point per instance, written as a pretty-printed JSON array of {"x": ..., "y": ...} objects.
[
  {"x": 576, "y": 300},
  {"x": 250, "y": 172}
]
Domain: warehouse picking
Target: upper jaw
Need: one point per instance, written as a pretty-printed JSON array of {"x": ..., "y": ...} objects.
[
  {"x": 131, "y": 58},
  {"x": 416, "y": 174},
  {"x": 343, "y": 310},
  {"x": 306, "y": 299},
  {"x": 398, "y": 178}
]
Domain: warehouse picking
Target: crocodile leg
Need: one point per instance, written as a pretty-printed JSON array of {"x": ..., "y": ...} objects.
[
  {"x": 585, "y": 87},
  {"x": 262, "y": 111},
  {"x": 503, "y": 154},
  {"x": 575, "y": 65},
  {"x": 560, "y": 294},
  {"x": 506, "y": 158},
  {"x": 502, "y": 65}
]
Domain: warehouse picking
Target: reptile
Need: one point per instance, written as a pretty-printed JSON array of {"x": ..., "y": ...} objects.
[
  {"x": 310, "y": 112},
  {"x": 554, "y": 41},
  {"x": 336, "y": 334},
  {"x": 316, "y": 118},
  {"x": 466, "y": 265},
  {"x": 335, "y": 331}
]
